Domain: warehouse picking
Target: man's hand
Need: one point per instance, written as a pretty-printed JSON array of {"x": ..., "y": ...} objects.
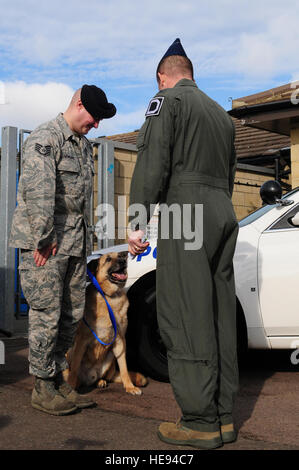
[
  {"x": 41, "y": 256},
  {"x": 136, "y": 246}
]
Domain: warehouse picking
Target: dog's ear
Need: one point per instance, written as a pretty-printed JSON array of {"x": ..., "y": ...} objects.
[
  {"x": 93, "y": 266},
  {"x": 123, "y": 254}
]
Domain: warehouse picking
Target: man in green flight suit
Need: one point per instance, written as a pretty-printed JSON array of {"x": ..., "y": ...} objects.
[{"x": 186, "y": 157}]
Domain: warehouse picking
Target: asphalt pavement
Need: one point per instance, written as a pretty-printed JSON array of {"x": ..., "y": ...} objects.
[{"x": 122, "y": 425}]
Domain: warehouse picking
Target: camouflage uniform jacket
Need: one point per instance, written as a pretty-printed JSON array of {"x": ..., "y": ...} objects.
[{"x": 54, "y": 190}]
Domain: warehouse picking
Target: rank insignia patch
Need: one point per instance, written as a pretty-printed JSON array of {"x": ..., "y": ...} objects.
[
  {"x": 155, "y": 106},
  {"x": 44, "y": 150}
]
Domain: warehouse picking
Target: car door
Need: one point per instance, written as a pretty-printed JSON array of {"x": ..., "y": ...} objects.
[{"x": 278, "y": 276}]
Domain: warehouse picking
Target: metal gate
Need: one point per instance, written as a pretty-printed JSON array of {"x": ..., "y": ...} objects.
[{"x": 13, "y": 306}]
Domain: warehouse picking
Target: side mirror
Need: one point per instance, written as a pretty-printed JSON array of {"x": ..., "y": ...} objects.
[
  {"x": 271, "y": 193},
  {"x": 295, "y": 220}
]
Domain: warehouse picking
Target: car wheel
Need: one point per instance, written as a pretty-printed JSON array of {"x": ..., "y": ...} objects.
[
  {"x": 145, "y": 348},
  {"x": 152, "y": 352}
]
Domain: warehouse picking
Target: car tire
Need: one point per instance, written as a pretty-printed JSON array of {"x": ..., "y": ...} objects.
[
  {"x": 151, "y": 351},
  {"x": 145, "y": 349}
]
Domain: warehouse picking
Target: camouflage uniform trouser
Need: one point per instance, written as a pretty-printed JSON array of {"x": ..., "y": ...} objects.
[{"x": 56, "y": 297}]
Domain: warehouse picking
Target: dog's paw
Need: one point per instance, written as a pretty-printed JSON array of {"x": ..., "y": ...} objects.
[
  {"x": 102, "y": 384},
  {"x": 133, "y": 390},
  {"x": 140, "y": 380}
]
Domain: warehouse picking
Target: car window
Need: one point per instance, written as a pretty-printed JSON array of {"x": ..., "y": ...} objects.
[
  {"x": 263, "y": 210},
  {"x": 286, "y": 221},
  {"x": 256, "y": 214}
]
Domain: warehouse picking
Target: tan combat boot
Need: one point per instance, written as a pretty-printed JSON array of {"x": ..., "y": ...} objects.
[
  {"x": 180, "y": 435},
  {"x": 70, "y": 394},
  {"x": 46, "y": 398},
  {"x": 228, "y": 433}
]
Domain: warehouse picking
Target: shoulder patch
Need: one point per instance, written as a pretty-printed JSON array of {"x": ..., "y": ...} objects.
[
  {"x": 155, "y": 106},
  {"x": 43, "y": 149}
]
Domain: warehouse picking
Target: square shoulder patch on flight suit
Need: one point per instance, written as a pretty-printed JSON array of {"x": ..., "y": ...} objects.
[{"x": 155, "y": 106}]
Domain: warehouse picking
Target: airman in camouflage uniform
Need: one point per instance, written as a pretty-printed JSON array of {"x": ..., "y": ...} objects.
[{"x": 51, "y": 226}]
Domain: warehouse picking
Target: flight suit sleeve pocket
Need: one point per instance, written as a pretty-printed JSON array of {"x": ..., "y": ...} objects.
[{"x": 142, "y": 135}]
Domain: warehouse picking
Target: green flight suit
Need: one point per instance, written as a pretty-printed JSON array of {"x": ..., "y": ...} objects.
[{"x": 186, "y": 156}]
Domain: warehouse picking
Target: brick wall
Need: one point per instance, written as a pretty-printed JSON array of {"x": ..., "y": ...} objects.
[
  {"x": 246, "y": 198},
  {"x": 124, "y": 163}
]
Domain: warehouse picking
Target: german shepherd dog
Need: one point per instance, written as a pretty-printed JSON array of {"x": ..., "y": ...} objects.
[{"x": 90, "y": 362}]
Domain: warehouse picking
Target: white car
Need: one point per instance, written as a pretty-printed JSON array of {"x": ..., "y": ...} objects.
[{"x": 266, "y": 266}]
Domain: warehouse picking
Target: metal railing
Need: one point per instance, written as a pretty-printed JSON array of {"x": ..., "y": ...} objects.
[{"x": 11, "y": 298}]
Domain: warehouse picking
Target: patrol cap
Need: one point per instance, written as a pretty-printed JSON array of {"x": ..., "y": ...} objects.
[
  {"x": 176, "y": 48},
  {"x": 95, "y": 102}
]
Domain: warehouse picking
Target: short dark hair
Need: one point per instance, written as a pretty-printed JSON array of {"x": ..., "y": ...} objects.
[{"x": 175, "y": 64}]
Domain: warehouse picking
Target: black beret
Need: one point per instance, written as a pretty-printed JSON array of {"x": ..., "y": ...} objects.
[{"x": 95, "y": 102}]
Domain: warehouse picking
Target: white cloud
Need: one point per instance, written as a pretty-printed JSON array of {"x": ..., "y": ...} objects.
[
  {"x": 26, "y": 106},
  {"x": 119, "y": 124},
  {"x": 272, "y": 50},
  {"x": 57, "y": 46},
  {"x": 125, "y": 38}
]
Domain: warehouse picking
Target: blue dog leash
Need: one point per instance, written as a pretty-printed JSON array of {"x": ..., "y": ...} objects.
[{"x": 111, "y": 314}]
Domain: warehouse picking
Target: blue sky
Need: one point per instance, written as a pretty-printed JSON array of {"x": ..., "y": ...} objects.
[{"x": 49, "y": 49}]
